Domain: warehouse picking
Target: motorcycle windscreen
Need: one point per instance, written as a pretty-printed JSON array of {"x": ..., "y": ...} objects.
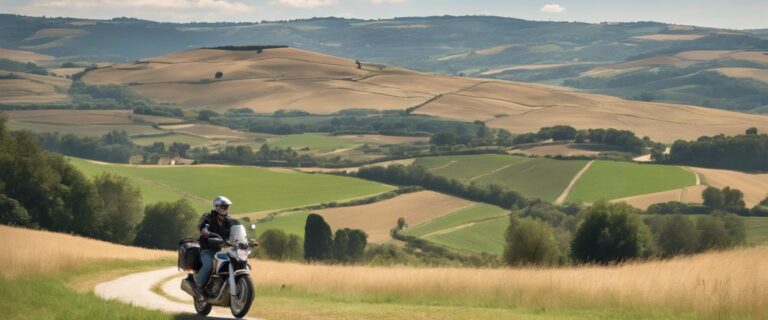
[{"x": 237, "y": 234}]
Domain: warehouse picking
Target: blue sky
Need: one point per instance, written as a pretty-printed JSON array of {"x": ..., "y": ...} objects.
[{"x": 735, "y": 14}]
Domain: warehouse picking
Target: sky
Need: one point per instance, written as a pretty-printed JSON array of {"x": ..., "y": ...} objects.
[{"x": 733, "y": 14}]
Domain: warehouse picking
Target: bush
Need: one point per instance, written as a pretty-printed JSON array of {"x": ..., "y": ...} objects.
[
  {"x": 349, "y": 245},
  {"x": 530, "y": 242},
  {"x": 278, "y": 245},
  {"x": 610, "y": 232},
  {"x": 677, "y": 235},
  {"x": 12, "y": 213},
  {"x": 165, "y": 223}
]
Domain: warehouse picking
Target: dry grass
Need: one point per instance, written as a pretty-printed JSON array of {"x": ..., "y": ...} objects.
[
  {"x": 19, "y": 55},
  {"x": 526, "y": 67},
  {"x": 719, "y": 284},
  {"x": 296, "y": 79},
  {"x": 751, "y": 73},
  {"x": 754, "y": 186},
  {"x": 670, "y": 37},
  {"x": 24, "y": 251},
  {"x": 32, "y": 88},
  {"x": 378, "y": 218}
]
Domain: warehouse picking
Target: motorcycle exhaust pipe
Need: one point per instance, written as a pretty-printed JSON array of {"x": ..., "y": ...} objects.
[{"x": 186, "y": 286}]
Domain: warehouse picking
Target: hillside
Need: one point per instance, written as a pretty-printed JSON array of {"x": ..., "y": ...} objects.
[
  {"x": 288, "y": 78},
  {"x": 485, "y": 46}
]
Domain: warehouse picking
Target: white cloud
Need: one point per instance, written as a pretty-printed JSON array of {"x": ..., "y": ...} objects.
[
  {"x": 154, "y": 9},
  {"x": 553, "y": 8},
  {"x": 159, "y": 4},
  {"x": 306, "y": 4}
]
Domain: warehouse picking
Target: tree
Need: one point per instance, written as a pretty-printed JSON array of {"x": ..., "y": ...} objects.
[
  {"x": 294, "y": 249},
  {"x": 341, "y": 245},
  {"x": 218, "y": 75},
  {"x": 713, "y": 197},
  {"x": 318, "y": 244},
  {"x": 733, "y": 197},
  {"x": 165, "y": 223},
  {"x": 401, "y": 224},
  {"x": 751, "y": 131},
  {"x": 677, "y": 235},
  {"x": 358, "y": 240},
  {"x": 121, "y": 207},
  {"x": 530, "y": 242},
  {"x": 12, "y": 213},
  {"x": 610, "y": 232},
  {"x": 274, "y": 243}
]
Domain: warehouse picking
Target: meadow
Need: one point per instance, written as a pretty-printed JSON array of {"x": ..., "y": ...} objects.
[
  {"x": 251, "y": 189},
  {"x": 613, "y": 180},
  {"x": 715, "y": 285}
]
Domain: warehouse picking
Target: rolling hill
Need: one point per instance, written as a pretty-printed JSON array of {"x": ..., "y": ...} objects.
[
  {"x": 286, "y": 78},
  {"x": 485, "y": 46}
]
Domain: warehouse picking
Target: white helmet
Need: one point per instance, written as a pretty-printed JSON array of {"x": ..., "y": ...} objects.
[{"x": 221, "y": 201}]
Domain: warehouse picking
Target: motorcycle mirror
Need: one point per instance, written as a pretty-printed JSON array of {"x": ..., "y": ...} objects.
[{"x": 253, "y": 226}]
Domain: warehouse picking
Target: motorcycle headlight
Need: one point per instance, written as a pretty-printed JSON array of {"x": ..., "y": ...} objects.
[{"x": 242, "y": 254}]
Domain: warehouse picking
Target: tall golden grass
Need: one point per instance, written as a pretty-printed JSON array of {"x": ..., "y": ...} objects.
[
  {"x": 24, "y": 251},
  {"x": 719, "y": 284}
]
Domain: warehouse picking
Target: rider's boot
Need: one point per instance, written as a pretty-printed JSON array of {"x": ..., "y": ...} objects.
[{"x": 199, "y": 293}]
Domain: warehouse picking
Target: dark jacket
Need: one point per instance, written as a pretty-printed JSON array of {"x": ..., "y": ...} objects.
[{"x": 214, "y": 226}]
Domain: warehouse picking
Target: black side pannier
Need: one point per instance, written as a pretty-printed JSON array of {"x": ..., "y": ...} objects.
[{"x": 189, "y": 255}]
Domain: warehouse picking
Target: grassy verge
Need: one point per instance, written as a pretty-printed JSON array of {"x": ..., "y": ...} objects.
[{"x": 68, "y": 294}]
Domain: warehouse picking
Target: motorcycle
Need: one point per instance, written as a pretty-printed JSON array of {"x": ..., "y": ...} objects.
[{"x": 230, "y": 282}]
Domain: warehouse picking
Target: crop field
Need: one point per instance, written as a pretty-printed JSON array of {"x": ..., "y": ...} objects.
[
  {"x": 613, "y": 180},
  {"x": 315, "y": 142},
  {"x": 477, "y": 212},
  {"x": 251, "y": 189},
  {"x": 757, "y": 229},
  {"x": 376, "y": 219},
  {"x": 168, "y": 139},
  {"x": 483, "y": 236},
  {"x": 93, "y": 123},
  {"x": 534, "y": 177}
]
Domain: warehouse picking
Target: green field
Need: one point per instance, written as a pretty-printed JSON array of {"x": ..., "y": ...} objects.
[
  {"x": 251, "y": 189},
  {"x": 315, "y": 142},
  {"x": 169, "y": 139},
  {"x": 534, "y": 177},
  {"x": 291, "y": 223},
  {"x": 757, "y": 229},
  {"x": 474, "y": 213},
  {"x": 483, "y": 236},
  {"x": 614, "y": 180}
]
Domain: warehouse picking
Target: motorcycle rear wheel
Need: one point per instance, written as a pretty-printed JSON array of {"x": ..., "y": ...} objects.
[{"x": 242, "y": 303}]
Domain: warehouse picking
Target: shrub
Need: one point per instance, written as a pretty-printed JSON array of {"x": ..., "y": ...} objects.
[
  {"x": 610, "y": 232},
  {"x": 530, "y": 242},
  {"x": 677, "y": 235}
]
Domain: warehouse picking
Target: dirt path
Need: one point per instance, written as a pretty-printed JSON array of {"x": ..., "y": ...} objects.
[
  {"x": 567, "y": 190},
  {"x": 136, "y": 289}
]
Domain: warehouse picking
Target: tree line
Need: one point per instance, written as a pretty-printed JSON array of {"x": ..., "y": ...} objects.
[
  {"x": 40, "y": 189},
  {"x": 419, "y": 176},
  {"x": 748, "y": 152},
  {"x": 607, "y": 233},
  {"x": 114, "y": 146}
]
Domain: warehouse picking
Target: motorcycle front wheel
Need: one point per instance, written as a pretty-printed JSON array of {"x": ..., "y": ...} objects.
[{"x": 240, "y": 304}]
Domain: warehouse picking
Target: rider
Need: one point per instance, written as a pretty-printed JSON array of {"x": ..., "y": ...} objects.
[{"x": 217, "y": 221}]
